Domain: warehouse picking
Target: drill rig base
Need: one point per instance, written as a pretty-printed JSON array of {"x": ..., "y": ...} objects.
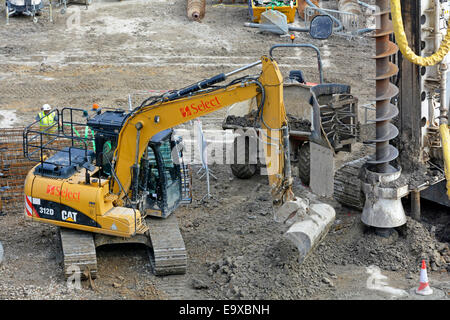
[
  {"x": 347, "y": 184},
  {"x": 383, "y": 207}
]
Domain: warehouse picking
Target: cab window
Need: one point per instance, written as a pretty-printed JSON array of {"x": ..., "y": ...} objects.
[{"x": 171, "y": 173}]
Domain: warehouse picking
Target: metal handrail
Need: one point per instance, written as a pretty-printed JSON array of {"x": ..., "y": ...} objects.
[
  {"x": 30, "y": 134},
  {"x": 302, "y": 45}
]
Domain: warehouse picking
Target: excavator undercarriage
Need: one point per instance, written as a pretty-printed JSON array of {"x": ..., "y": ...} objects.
[{"x": 163, "y": 239}]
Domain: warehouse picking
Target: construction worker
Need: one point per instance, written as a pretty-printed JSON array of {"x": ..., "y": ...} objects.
[
  {"x": 47, "y": 119},
  {"x": 48, "y": 124}
]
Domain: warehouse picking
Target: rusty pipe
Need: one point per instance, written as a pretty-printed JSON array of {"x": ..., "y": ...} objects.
[{"x": 196, "y": 9}]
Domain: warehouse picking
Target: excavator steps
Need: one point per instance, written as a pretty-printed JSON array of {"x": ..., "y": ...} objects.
[{"x": 111, "y": 197}]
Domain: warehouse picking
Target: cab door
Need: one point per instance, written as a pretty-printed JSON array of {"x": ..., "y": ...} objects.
[{"x": 163, "y": 177}]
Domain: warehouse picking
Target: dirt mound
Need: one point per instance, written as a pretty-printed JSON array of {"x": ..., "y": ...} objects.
[
  {"x": 403, "y": 250},
  {"x": 259, "y": 263},
  {"x": 244, "y": 121},
  {"x": 276, "y": 274},
  {"x": 248, "y": 120},
  {"x": 298, "y": 124}
]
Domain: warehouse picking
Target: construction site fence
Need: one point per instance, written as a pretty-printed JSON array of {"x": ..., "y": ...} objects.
[{"x": 14, "y": 166}]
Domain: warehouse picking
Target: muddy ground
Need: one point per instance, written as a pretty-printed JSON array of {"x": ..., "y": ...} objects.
[{"x": 235, "y": 249}]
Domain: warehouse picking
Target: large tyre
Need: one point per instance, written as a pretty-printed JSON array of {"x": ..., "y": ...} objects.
[
  {"x": 243, "y": 170},
  {"x": 304, "y": 159}
]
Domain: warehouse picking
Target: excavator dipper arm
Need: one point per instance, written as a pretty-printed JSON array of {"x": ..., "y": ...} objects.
[{"x": 147, "y": 121}]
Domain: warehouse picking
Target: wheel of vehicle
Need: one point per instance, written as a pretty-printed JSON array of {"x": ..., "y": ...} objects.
[
  {"x": 243, "y": 170},
  {"x": 304, "y": 159}
]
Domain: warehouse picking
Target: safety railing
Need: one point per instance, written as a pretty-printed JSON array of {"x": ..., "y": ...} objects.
[
  {"x": 40, "y": 143},
  {"x": 72, "y": 129}
]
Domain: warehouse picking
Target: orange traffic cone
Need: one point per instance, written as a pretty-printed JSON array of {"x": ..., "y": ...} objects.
[{"x": 424, "y": 288}]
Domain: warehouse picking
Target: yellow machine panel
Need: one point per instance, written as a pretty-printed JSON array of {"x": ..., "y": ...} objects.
[{"x": 73, "y": 204}]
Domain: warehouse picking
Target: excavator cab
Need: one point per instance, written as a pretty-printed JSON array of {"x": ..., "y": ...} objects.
[
  {"x": 160, "y": 175},
  {"x": 161, "y": 170}
]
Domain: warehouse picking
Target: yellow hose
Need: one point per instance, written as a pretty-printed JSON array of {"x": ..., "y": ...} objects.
[
  {"x": 445, "y": 137},
  {"x": 402, "y": 42}
]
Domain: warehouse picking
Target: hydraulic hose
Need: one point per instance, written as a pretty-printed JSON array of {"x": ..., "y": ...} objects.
[
  {"x": 366, "y": 5},
  {"x": 402, "y": 42}
]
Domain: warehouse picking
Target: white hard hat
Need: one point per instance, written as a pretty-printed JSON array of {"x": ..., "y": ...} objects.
[{"x": 46, "y": 107}]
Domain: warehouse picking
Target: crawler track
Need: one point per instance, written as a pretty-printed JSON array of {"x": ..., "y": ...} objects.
[
  {"x": 168, "y": 253},
  {"x": 347, "y": 184},
  {"x": 78, "y": 253}
]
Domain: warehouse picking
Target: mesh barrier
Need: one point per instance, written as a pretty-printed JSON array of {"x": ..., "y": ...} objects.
[
  {"x": 14, "y": 167},
  {"x": 351, "y": 22}
]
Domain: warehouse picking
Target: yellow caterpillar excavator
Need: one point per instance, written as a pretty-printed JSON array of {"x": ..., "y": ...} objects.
[{"x": 128, "y": 187}]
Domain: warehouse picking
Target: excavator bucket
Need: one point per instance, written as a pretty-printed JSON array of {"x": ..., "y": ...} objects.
[{"x": 307, "y": 224}]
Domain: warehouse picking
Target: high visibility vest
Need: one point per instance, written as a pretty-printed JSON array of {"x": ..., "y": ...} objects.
[{"x": 46, "y": 120}]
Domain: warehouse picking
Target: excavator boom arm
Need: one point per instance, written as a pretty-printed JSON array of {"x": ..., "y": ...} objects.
[{"x": 144, "y": 123}]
